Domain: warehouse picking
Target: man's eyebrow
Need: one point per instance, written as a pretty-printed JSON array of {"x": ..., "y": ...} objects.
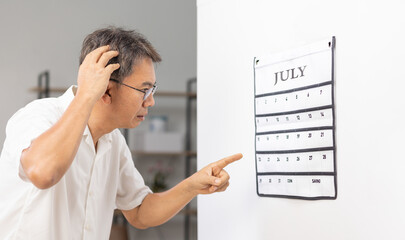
[{"x": 147, "y": 84}]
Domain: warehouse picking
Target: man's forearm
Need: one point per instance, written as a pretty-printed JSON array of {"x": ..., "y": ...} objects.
[
  {"x": 51, "y": 154},
  {"x": 158, "y": 208}
]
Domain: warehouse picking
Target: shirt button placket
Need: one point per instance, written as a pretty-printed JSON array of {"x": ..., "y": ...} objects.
[
  {"x": 89, "y": 205},
  {"x": 87, "y": 227}
]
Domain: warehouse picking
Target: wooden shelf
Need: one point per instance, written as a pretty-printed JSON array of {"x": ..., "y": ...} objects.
[
  {"x": 157, "y": 94},
  {"x": 175, "y": 94},
  {"x": 54, "y": 90},
  {"x": 164, "y": 154}
]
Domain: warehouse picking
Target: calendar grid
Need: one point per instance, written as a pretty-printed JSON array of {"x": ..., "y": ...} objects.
[{"x": 295, "y": 143}]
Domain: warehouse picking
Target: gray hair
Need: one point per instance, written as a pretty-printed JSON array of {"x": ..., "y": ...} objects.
[{"x": 131, "y": 45}]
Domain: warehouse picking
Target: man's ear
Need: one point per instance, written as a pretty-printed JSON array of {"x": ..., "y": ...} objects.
[{"x": 106, "y": 98}]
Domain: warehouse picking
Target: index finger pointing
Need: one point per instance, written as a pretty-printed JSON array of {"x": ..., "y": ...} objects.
[{"x": 228, "y": 160}]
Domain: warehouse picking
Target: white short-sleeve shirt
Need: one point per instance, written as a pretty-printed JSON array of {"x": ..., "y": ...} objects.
[{"x": 81, "y": 204}]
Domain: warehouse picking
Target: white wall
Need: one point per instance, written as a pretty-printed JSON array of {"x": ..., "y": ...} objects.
[
  {"x": 369, "y": 110},
  {"x": 47, "y": 35}
]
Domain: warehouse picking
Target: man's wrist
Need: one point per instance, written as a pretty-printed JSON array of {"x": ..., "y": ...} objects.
[
  {"x": 188, "y": 188},
  {"x": 86, "y": 99}
]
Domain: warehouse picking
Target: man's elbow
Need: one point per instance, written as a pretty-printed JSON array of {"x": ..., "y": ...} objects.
[
  {"x": 134, "y": 218},
  {"x": 138, "y": 226},
  {"x": 41, "y": 179},
  {"x": 136, "y": 223},
  {"x": 41, "y": 175}
]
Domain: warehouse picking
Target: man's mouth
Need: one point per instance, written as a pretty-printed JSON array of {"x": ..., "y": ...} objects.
[{"x": 141, "y": 117}]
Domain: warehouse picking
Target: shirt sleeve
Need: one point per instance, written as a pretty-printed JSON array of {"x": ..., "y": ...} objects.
[
  {"x": 131, "y": 186},
  {"x": 23, "y": 127}
]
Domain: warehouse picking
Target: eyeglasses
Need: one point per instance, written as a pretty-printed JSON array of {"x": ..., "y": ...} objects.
[{"x": 147, "y": 93}]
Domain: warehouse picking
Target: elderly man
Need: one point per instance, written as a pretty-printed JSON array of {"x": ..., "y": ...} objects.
[{"x": 65, "y": 166}]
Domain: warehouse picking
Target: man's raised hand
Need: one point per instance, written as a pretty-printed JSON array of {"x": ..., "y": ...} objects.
[{"x": 94, "y": 73}]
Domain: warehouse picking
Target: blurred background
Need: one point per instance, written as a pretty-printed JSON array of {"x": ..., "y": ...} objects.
[{"x": 46, "y": 36}]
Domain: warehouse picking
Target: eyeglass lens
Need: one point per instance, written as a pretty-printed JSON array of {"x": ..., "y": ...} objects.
[{"x": 149, "y": 92}]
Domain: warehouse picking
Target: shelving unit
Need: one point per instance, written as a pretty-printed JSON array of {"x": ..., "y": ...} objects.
[
  {"x": 43, "y": 89},
  {"x": 190, "y": 83}
]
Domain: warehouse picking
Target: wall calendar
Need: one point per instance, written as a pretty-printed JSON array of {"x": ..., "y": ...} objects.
[{"x": 295, "y": 123}]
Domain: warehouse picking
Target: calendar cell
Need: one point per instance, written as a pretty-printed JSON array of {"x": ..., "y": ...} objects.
[
  {"x": 298, "y": 185},
  {"x": 304, "y": 99},
  {"x": 312, "y": 139},
  {"x": 323, "y": 117},
  {"x": 319, "y": 161}
]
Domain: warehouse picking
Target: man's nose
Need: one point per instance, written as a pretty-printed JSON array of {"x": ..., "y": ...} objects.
[{"x": 149, "y": 101}]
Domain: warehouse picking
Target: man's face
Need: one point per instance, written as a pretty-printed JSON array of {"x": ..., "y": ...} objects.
[{"x": 129, "y": 108}]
